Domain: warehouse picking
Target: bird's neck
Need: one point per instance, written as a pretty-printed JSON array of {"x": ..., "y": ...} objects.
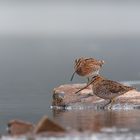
[{"x": 96, "y": 78}]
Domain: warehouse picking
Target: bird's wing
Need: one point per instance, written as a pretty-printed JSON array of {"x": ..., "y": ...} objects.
[{"x": 116, "y": 87}]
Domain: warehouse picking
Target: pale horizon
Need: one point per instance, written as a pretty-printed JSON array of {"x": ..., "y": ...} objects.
[{"x": 70, "y": 18}]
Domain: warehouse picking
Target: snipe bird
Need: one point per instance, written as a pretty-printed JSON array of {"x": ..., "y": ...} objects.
[
  {"x": 87, "y": 67},
  {"x": 107, "y": 89}
]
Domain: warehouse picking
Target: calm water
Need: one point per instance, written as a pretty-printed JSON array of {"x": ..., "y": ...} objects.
[
  {"x": 99, "y": 120},
  {"x": 32, "y": 67}
]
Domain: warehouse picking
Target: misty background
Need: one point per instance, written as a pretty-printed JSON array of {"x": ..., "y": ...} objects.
[{"x": 39, "y": 41}]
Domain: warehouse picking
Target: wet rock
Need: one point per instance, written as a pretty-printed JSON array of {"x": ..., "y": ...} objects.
[
  {"x": 18, "y": 127},
  {"x": 47, "y": 125},
  {"x": 64, "y": 96}
]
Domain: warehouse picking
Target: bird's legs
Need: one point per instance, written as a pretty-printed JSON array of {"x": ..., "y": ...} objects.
[
  {"x": 106, "y": 104},
  {"x": 111, "y": 101}
]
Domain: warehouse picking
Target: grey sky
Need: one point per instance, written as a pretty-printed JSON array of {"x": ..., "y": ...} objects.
[{"x": 70, "y": 18}]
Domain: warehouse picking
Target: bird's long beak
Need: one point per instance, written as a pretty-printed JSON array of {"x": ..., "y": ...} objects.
[{"x": 72, "y": 76}]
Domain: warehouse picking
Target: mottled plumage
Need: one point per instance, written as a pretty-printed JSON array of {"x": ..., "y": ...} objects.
[
  {"x": 107, "y": 89},
  {"x": 87, "y": 67}
]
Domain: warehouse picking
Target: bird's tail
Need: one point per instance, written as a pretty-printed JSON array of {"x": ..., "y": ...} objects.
[{"x": 130, "y": 88}]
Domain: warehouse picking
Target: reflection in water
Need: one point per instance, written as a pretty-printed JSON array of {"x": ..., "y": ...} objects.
[{"x": 97, "y": 120}]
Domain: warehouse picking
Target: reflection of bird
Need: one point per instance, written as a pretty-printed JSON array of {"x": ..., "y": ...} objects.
[
  {"x": 87, "y": 67},
  {"x": 107, "y": 89}
]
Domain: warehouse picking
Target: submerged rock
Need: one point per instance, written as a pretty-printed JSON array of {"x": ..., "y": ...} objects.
[
  {"x": 19, "y": 127},
  {"x": 64, "y": 96},
  {"x": 47, "y": 125}
]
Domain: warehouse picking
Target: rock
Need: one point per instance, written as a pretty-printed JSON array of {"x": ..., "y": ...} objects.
[
  {"x": 18, "y": 127},
  {"x": 64, "y": 96},
  {"x": 47, "y": 125}
]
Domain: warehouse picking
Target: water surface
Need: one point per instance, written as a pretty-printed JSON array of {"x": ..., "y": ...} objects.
[{"x": 32, "y": 66}]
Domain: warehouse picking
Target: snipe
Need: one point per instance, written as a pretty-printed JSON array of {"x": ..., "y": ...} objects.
[
  {"x": 107, "y": 89},
  {"x": 87, "y": 67}
]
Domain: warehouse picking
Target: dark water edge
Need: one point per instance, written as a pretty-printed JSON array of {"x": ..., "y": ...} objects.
[{"x": 31, "y": 67}]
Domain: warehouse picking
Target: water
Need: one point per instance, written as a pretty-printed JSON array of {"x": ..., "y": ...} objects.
[
  {"x": 112, "y": 121},
  {"x": 32, "y": 66}
]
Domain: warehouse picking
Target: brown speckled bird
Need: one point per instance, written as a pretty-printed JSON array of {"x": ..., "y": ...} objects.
[
  {"x": 87, "y": 67},
  {"x": 107, "y": 89}
]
